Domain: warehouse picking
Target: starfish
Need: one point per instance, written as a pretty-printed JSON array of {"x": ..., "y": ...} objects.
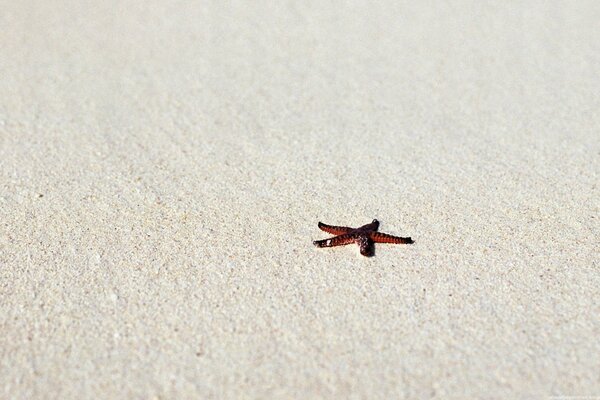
[{"x": 364, "y": 236}]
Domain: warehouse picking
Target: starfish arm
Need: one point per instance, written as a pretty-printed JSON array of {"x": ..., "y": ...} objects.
[
  {"x": 379, "y": 237},
  {"x": 366, "y": 246},
  {"x": 373, "y": 226},
  {"x": 336, "y": 241},
  {"x": 334, "y": 230}
]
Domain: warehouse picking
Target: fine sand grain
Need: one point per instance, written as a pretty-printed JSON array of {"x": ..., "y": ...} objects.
[{"x": 163, "y": 167}]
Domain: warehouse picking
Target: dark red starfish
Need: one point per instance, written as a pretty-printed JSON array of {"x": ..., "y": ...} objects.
[{"x": 365, "y": 237}]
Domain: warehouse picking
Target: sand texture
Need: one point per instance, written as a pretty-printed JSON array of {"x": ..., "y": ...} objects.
[{"x": 163, "y": 167}]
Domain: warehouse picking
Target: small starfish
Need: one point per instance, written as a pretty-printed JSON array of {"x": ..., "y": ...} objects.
[{"x": 365, "y": 237}]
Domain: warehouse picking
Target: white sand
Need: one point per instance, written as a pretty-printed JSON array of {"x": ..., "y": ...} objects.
[{"x": 185, "y": 154}]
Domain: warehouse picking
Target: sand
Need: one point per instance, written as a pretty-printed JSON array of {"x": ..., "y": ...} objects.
[{"x": 163, "y": 167}]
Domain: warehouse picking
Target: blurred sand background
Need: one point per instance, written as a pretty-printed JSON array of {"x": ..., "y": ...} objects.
[{"x": 163, "y": 166}]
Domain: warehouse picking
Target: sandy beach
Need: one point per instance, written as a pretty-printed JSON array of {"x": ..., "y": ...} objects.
[{"x": 164, "y": 165}]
